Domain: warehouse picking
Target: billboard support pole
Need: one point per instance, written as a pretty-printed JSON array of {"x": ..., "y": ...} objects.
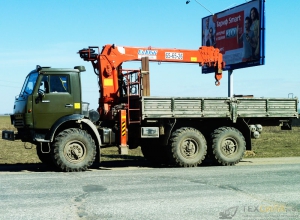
[{"x": 230, "y": 83}]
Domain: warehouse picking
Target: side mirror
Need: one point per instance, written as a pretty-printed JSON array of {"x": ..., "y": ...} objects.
[{"x": 41, "y": 93}]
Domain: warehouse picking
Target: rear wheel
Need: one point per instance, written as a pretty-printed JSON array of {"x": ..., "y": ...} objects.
[
  {"x": 73, "y": 150},
  {"x": 228, "y": 145},
  {"x": 188, "y": 147}
]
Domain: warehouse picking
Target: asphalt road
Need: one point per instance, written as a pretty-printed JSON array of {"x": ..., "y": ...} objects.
[{"x": 264, "y": 191}]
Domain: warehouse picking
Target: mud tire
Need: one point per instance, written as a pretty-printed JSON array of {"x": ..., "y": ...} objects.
[
  {"x": 228, "y": 146},
  {"x": 188, "y": 147},
  {"x": 74, "y": 150}
]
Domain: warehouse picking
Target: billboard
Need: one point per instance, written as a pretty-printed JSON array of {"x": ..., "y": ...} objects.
[{"x": 239, "y": 33}]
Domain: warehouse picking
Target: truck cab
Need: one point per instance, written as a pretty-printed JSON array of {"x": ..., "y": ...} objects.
[
  {"x": 50, "y": 114},
  {"x": 48, "y": 95}
]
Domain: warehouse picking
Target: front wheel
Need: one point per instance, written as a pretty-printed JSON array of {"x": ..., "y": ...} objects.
[
  {"x": 228, "y": 145},
  {"x": 73, "y": 150}
]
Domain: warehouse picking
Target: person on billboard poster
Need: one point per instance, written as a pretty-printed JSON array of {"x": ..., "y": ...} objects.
[
  {"x": 211, "y": 38},
  {"x": 255, "y": 28},
  {"x": 205, "y": 33},
  {"x": 246, "y": 39}
]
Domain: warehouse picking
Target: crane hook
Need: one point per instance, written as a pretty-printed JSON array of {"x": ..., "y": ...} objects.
[{"x": 218, "y": 75}]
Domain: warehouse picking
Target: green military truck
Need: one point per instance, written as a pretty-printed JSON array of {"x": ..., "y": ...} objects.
[
  {"x": 181, "y": 131},
  {"x": 49, "y": 112}
]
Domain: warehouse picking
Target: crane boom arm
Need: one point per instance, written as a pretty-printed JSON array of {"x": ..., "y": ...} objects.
[
  {"x": 112, "y": 56},
  {"x": 107, "y": 62}
]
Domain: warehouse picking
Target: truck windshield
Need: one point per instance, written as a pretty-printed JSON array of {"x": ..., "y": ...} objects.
[{"x": 29, "y": 84}]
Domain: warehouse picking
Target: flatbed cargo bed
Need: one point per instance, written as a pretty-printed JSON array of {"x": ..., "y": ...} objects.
[{"x": 206, "y": 107}]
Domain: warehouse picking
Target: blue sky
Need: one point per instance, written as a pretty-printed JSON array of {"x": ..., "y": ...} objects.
[{"x": 49, "y": 33}]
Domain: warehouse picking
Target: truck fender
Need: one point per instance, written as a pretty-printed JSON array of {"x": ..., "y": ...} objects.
[
  {"x": 61, "y": 121},
  {"x": 93, "y": 127},
  {"x": 78, "y": 119}
]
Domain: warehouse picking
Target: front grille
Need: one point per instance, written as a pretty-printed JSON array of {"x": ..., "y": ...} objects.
[
  {"x": 19, "y": 123},
  {"x": 18, "y": 116}
]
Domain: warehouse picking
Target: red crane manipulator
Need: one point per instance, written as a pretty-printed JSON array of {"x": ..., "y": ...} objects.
[{"x": 107, "y": 62}]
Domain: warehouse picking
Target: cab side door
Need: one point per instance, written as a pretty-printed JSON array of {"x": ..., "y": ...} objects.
[{"x": 53, "y": 99}]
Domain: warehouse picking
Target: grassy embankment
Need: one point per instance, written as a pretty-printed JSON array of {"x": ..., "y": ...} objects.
[{"x": 272, "y": 143}]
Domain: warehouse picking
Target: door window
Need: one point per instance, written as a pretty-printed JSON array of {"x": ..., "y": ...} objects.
[{"x": 55, "y": 84}]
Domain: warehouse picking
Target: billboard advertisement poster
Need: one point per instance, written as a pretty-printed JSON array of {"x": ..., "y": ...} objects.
[{"x": 238, "y": 33}]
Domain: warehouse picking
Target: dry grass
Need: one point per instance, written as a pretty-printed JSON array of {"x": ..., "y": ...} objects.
[
  {"x": 272, "y": 143},
  {"x": 5, "y": 123},
  {"x": 277, "y": 143}
]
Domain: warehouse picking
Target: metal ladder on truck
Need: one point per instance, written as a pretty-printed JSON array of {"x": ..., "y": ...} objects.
[{"x": 137, "y": 84}]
